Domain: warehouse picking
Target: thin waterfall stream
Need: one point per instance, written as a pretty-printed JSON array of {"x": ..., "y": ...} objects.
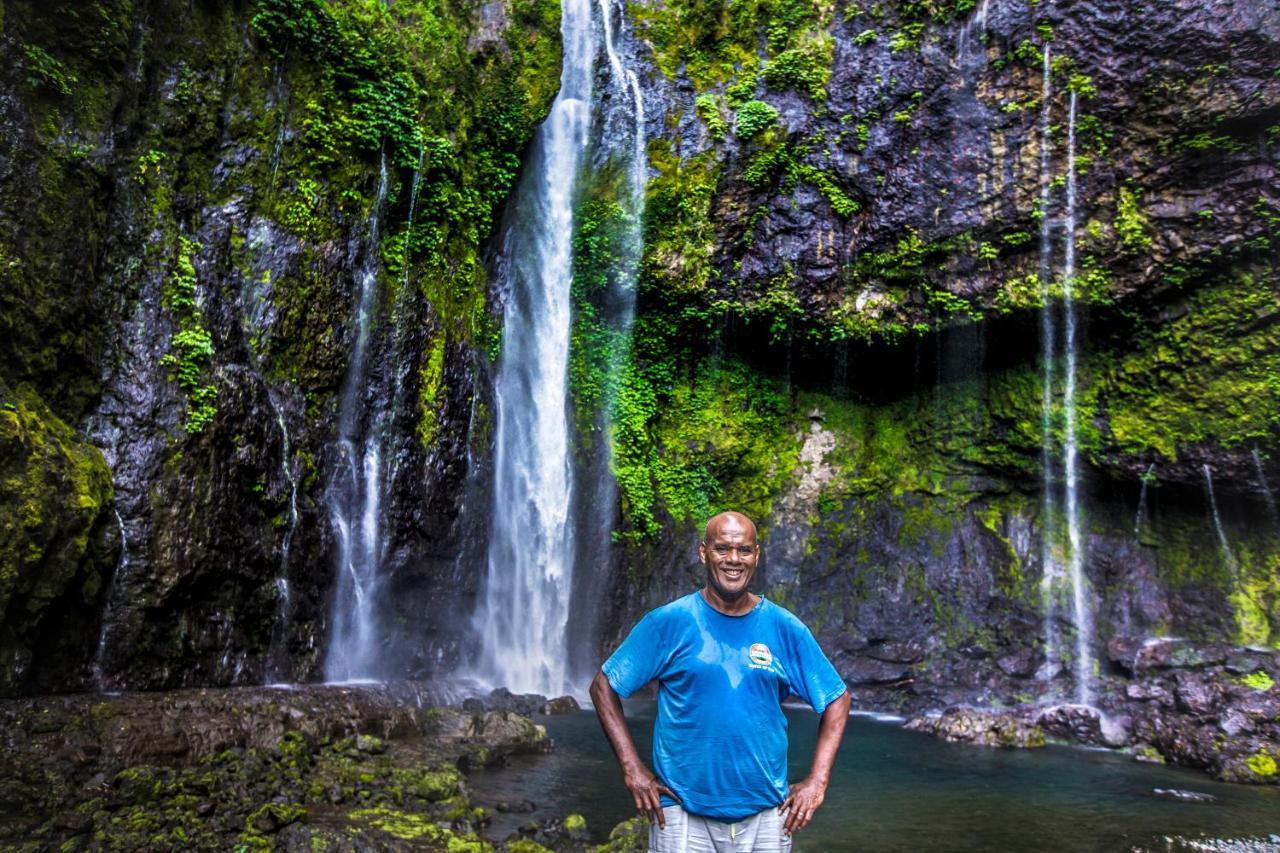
[
  {"x": 96, "y": 670},
  {"x": 1141, "y": 515},
  {"x": 1224, "y": 545},
  {"x": 1263, "y": 486},
  {"x": 1071, "y": 452},
  {"x": 354, "y": 496},
  {"x": 277, "y": 656},
  {"x": 1063, "y": 545},
  {"x": 1048, "y": 345}
]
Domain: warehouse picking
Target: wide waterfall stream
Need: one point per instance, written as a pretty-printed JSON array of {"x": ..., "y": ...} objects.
[{"x": 895, "y": 791}]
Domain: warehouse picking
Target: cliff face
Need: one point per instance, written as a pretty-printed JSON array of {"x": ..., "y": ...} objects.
[
  {"x": 857, "y": 229},
  {"x": 853, "y": 212},
  {"x": 190, "y": 191}
]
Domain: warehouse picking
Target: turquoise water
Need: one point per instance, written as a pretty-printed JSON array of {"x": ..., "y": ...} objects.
[{"x": 894, "y": 790}]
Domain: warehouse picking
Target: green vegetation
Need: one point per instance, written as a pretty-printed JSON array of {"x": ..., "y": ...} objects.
[
  {"x": 1201, "y": 377},
  {"x": 1262, "y": 764},
  {"x": 708, "y": 107},
  {"x": 192, "y": 344},
  {"x": 1131, "y": 226},
  {"x": 54, "y": 487},
  {"x": 754, "y": 117},
  {"x": 1259, "y": 680},
  {"x": 805, "y": 67},
  {"x": 717, "y": 42}
]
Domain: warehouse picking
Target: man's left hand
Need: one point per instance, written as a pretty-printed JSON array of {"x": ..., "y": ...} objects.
[{"x": 801, "y": 803}]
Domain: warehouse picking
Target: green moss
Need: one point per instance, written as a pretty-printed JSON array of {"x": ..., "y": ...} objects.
[
  {"x": 274, "y": 816},
  {"x": 575, "y": 823},
  {"x": 1255, "y": 600},
  {"x": 1200, "y": 377},
  {"x": 721, "y": 441},
  {"x": 524, "y": 845},
  {"x": 1259, "y": 680},
  {"x": 431, "y": 376},
  {"x": 54, "y": 487},
  {"x": 1262, "y": 764},
  {"x": 714, "y": 41}
]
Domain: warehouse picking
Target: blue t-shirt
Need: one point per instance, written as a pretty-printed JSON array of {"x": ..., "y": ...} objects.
[{"x": 720, "y": 739}]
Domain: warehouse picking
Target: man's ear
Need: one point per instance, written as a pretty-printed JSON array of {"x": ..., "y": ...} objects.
[{"x": 702, "y": 553}]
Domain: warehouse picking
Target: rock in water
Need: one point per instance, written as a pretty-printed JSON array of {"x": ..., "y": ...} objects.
[
  {"x": 563, "y": 705},
  {"x": 980, "y": 728},
  {"x": 1077, "y": 723}
]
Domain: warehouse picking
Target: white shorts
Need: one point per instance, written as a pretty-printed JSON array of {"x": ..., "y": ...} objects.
[{"x": 687, "y": 833}]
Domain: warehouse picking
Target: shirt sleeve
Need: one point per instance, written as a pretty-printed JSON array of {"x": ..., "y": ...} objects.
[
  {"x": 814, "y": 680},
  {"x": 638, "y": 660}
]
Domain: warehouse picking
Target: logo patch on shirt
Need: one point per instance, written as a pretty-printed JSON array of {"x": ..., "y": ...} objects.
[{"x": 760, "y": 655}]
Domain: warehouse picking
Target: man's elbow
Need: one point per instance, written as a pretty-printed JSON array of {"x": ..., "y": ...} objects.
[{"x": 600, "y": 687}]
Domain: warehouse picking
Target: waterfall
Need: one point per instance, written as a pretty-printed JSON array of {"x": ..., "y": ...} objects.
[
  {"x": 277, "y": 656},
  {"x": 1048, "y": 336},
  {"x": 638, "y": 173},
  {"x": 354, "y": 495},
  {"x": 277, "y": 146},
  {"x": 403, "y": 362},
  {"x": 973, "y": 28},
  {"x": 1071, "y": 462},
  {"x": 99, "y": 677},
  {"x": 1265, "y": 487},
  {"x": 523, "y": 614},
  {"x": 1055, "y": 574},
  {"x": 1224, "y": 547},
  {"x": 1141, "y": 514},
  {"x": 523, "y": 610}
]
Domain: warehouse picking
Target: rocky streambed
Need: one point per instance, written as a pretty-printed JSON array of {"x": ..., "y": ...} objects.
[
  {"x": 323, "y": 767},
  {"x": 1212, "y": 707}
]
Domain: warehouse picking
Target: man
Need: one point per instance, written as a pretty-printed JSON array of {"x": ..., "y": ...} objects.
[{"x": 724, "y": 659}]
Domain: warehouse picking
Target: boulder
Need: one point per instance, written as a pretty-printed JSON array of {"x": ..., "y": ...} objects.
[{"x": 980, "y": 728}]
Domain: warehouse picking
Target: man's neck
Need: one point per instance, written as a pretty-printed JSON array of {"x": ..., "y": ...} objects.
[{"x": 739, "y": 606}]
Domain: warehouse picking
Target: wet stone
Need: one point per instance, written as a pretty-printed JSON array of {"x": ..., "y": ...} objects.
[{"x": 563, "y": 705}]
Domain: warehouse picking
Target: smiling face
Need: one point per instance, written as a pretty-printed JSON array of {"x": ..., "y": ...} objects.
[{"x": 730, "y": 553}]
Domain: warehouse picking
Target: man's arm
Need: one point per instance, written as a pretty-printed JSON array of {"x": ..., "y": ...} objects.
[
  {"x": 639, "y": 779},
  {"x": 805, "y": 797}
]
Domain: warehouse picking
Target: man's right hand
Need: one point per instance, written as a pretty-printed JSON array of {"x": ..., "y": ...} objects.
[
  {"x": 648, "y": 791},
  {"x": 639, "y": 779}
]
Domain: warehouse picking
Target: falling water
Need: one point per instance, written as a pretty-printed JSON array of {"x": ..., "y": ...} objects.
[
  {"x": 100, "y": 681},
  {"x": 276, "y": 657},
  {"x": 277, "y": 147},
  {"x": 408, "y": 226},
  {"x": 1141, "y": 515},
  {"x": 524, "y": 608},
  {"x": 972, "y": 29},
  {"x": 618, "y": 139},
  {"x": 627, "y": 79},
  {"x": 1048, "y": 334},
  {"x": 403, "y": 362},
  {"x": 354, "y": 495},
  {"x": 1224, "y": 546},
  {"x": 1071, "y": 463},
  {"x": 1265, "y": 487}
]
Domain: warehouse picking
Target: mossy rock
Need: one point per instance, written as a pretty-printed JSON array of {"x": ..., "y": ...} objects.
[{"x": 630, "y": 836}]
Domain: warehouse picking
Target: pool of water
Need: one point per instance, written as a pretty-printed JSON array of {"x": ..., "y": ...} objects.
[{"x": 894, "y": 790}]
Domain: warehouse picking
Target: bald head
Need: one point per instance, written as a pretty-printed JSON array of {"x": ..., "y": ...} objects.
[{"x": 727, "y": 521}]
